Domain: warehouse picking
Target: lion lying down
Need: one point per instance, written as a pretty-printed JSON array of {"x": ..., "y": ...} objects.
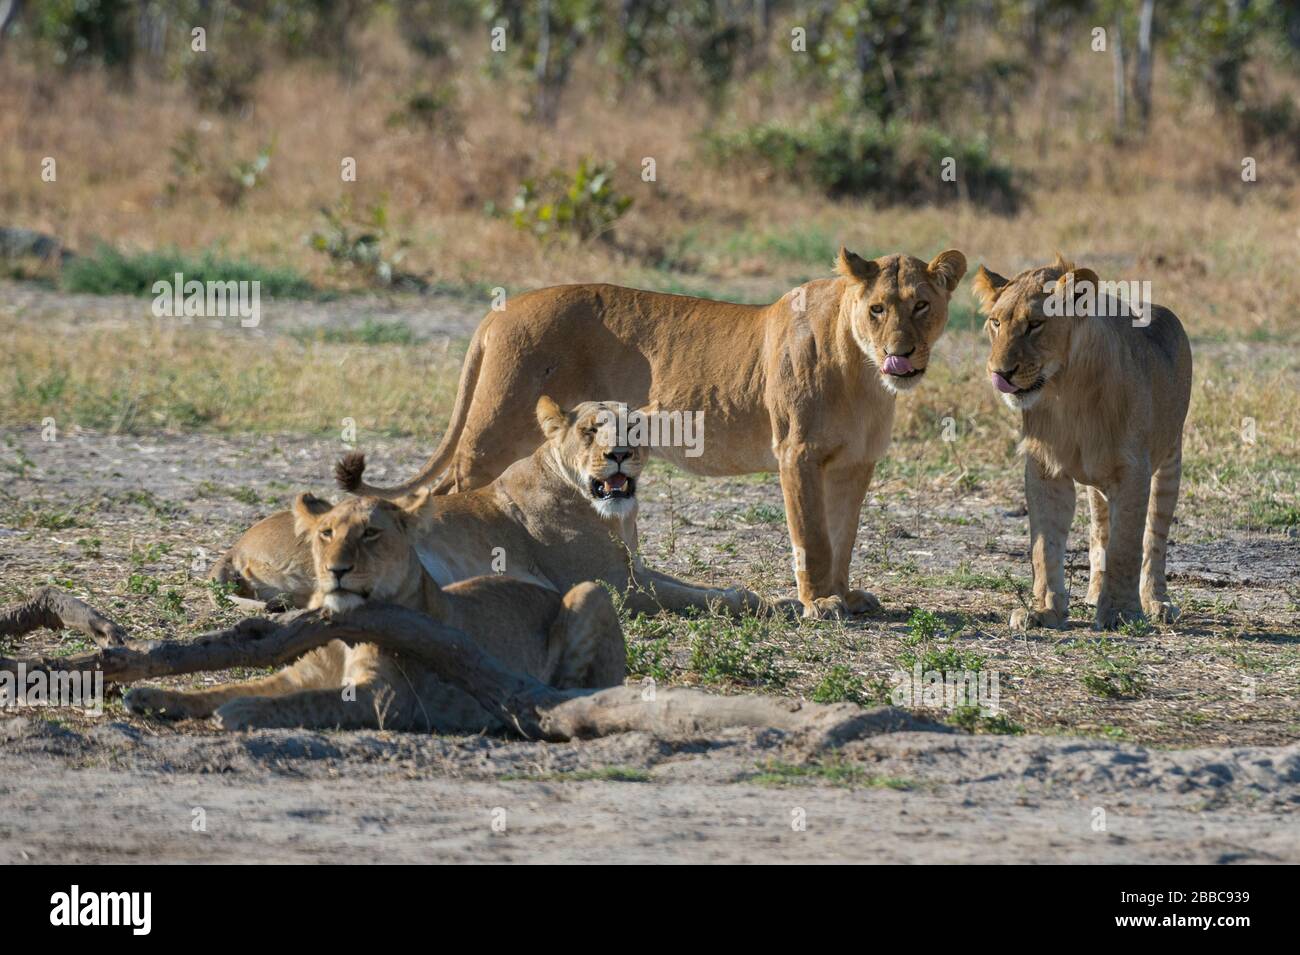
[
  {"x": 364, "y": 549},
  {"x": 562, "y": 516},
  {"x": 525, "y": 550}
]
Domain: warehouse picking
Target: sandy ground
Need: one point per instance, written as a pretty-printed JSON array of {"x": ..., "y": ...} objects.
[
  {"x": 1190, "y": 771},
  {"x": 117, "y": 794}
]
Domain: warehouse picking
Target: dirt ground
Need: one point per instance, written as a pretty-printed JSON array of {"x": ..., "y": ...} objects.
[{"x": 1176, "y": 743}]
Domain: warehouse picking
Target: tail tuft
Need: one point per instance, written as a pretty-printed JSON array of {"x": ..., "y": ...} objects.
[{"x": 349, "y": 470}]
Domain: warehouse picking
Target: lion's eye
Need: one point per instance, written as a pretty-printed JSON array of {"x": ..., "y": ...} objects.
[
  {"x": 1034, "y": 326},
  {"x": 877, "y": 310},
  {"x": 370, "y": 534},
  {"x": 920, "y": 307},
  {"x": 994, "y": 324},
  {"x": 326, "y": 534}
]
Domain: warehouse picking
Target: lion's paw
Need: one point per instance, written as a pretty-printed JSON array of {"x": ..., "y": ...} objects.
[
  {"x": 861, "y": 601},
  {"x": 152, "y": 701},
  {"x": 1022, "y": 619},
  {"x": 1161, "y": 611},
  {"x": 825, "y": 608},
  {"x": 246, "y": 713},
  {"x": 1110, "y": 617},
  {"x": 790, "y": 607}
]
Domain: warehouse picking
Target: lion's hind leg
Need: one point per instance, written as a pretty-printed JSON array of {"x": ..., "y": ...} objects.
[
  {"x": 1160, "y": 514},
  {"x": 1098, "y": 541},
  {"x": 371, "y": 690},
  {"x": 585, "y": 646},
  {"x": 323, "y": 665}
]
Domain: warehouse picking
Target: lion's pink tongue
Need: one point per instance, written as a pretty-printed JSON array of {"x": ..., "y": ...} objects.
[
  {"x": 615, "y": 482},
  {"x": 896, "y": 365},
  {"x": 1002, "y": 385}
]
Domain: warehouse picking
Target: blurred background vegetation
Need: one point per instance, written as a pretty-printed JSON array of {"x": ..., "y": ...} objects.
[{"x": 724, "y": 147}]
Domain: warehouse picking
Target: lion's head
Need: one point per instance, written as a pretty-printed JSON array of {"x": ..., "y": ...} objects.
[
  {"x": 1029, "y": 342},
  {"x": 360, "y": 549},
  {"x": 899, "y": 308},
  {"x": 584, "y": 444}
]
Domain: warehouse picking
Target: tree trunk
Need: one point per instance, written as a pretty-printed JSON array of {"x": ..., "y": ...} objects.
[
  {"x": 1142, "y": 79},
  {"x": 1121, "y": 99}
]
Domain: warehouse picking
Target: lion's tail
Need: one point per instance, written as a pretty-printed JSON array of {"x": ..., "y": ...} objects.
[{"x": 349, "y": 470}]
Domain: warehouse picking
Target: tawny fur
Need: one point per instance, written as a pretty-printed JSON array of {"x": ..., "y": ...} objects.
[
  {"x": 538, "y": 522},
  {"x": 1109, "y": 415},
  {"x": 364, "y": 549},
  {"x": 795, "y": 387}
]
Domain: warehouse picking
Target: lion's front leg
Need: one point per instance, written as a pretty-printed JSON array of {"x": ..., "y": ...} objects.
[
  {"x": 1119, "y": 599},
  {"x": 651, "y": 591},
  {"x": 324, "y": 661},
  {"x": 1051, "y": 510},
  {"x": 845, "y": 489},
  {"x": 802, "y": 486}
]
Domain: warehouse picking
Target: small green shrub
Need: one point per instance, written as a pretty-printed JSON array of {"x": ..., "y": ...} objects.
[
  {"x": 363, "y": 245},
  {"x": 735, "y": 651},
  {"x": 583, "y": 204},
  {"x": 842, "y": 685}
]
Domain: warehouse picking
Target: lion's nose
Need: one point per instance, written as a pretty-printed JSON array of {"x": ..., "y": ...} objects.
[
  {"x": 618, "y": 457},
  {"x": 1006, "y": 373},
  {"x": 339, "y": 572},
  {"x": 895, "y": 352}
]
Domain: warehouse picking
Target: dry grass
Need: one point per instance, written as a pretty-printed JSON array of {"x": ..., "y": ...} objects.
[
  {"x": 158, "y": 376},
  {"x": 1171, "y": 209}
]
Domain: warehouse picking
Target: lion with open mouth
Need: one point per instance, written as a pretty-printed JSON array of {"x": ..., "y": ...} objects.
[{"x": 564, "y": 515}]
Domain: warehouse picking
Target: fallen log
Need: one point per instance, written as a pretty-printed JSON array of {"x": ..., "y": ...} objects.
[
  {"x": 533, "y": 709},
  {"x": 55, "y": 609}
]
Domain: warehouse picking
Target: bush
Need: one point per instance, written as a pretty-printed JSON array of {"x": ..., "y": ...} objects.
[
  {"x": 364, "y": 245},
  {"x": 863, "y": 157},
  {"x": 583, "y": 204}
]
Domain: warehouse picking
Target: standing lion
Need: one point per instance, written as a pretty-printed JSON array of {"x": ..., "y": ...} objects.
[
  {"x": 804, "y": 387},
  {"x": 1102, "y": 394}
]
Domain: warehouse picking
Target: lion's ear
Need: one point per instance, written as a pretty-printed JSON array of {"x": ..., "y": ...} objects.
[
  {"x": 853, "y": 266},
  {"x": 409, "y": 504},
  {"x": 987, "y": 286},
  {"x": 1078, "y": 282},
  {"x": 948, "y": 268},
  {"x": 306, "y": 508},
  {"x": 1079, "y": 277},
  {"x": 550, "y": 416}
]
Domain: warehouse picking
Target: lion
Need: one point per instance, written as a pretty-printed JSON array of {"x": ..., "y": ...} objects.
[
  {"x": 1102, "y": 393},
  {"x": 364, "y": 549},
  {"x": 563, "y": 515},
  {"x": 804, "y": 387}
]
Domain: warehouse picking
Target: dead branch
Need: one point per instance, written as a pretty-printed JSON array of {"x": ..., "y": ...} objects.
[
  {"x": 54, "y": 609},
  {"x": 535, "y": 710}
]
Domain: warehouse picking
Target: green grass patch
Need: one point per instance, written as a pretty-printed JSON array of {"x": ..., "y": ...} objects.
[
  {"x": 842, "y": 685},
  {"x": 970, "y": 719},
  {"x": 1113, "y": 672},
  {"x": 827, "y": 773},
  {"x": 107, "y": 271},
  {"x": 741, "y": 651},
  {"x": 966, "y": 579},
  {"x": 1271, "y": 513},
  {"x": 649, "y": 658},
  {"x": 369, "y": 332}
]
